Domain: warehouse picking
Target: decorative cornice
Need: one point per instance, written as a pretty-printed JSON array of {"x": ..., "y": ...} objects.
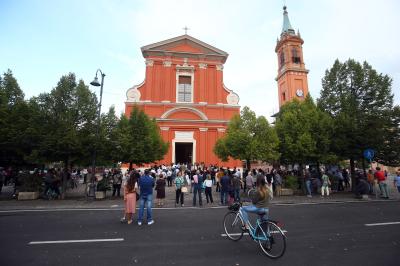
[
  {"x": 202, "y": 66},
  {"x": 167, "y": 63},
  {"x": 291, "y": 70},
  {"x": 203, "y": 129},
  {"x": 164, "y": 128},
  {"x": 220, "y": 67},
  {"x": 175, "y": 104},
  {"x": 149, "y": 62},
  {"x": 221, "y": 129}
]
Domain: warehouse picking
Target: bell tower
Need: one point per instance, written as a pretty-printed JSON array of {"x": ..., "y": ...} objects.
[{"x": 292, "y": 74}]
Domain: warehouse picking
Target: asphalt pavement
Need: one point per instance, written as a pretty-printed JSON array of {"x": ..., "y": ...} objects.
[{"x": 338, "y": 233}]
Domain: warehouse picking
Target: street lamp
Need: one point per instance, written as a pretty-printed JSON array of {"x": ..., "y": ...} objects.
[{"x": 96, "y": 83}]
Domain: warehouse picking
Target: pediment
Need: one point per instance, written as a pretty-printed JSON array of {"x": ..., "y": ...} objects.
[{"x": 183, "y": 44}]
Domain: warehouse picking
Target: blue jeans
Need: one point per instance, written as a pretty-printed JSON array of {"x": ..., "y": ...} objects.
[
  {"x": 383, "y": 188},
  {"x": 244, "y": 210},
  {"x": 197, "y": 190},
  {"x": 149, "y": 202},
  {"x": 224, "y": 197},
  {"x": 237, "y": 194},
  {"x": 308, "y": 186}
]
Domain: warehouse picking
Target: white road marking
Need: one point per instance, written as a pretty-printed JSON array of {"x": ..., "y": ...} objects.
[
  {"x": 75, "y": 241},
  {"x": 378, "y": 224},
  {"x": 235, "y": 234}
]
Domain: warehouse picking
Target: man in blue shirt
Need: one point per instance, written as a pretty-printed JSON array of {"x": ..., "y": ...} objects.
[{"x": 146, "y": 184}]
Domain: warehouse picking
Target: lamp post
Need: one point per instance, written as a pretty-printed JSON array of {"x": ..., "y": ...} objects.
[{"x": 96, "y": 83}]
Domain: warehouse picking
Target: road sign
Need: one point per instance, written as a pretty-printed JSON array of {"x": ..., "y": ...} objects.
[{"x": 369, "y": 154}]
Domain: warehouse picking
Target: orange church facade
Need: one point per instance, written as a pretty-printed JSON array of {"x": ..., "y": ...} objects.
[{"x": 184, "y": 91}]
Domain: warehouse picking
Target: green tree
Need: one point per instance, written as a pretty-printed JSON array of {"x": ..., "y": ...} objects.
[
  {"x": 304, "y": 132},
  {"x": 248, "y": 138},
  {"x": 389, "y": 154},
  {"x": 138, "y": 139},
  {"x": 106, "y": 151},
  {"x": 361, "y": 102},
  {"x": 15, "y": 120},
  {"x": 68, "y": 115}
]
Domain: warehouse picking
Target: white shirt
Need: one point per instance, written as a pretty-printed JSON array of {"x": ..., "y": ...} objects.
[{"x": 208, "y": 182}]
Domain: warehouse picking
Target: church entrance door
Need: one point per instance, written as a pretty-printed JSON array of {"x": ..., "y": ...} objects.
[{"x": 183, "y": 152}]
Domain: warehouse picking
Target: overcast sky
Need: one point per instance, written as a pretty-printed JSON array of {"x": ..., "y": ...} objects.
[{"x": 42, "y": 40}]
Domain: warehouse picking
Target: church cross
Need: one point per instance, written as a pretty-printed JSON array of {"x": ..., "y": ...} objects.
[{"x": 185, "y": 29}]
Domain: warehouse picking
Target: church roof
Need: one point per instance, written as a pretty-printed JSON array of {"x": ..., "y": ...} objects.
[
  {"x": 184, "y": 45},
  {"x": 286, "y": 27}
]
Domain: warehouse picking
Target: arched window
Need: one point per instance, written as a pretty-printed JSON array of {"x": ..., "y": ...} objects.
[
  {"x": 282, "y": 58},
  {"x": 295, "y": 56}
]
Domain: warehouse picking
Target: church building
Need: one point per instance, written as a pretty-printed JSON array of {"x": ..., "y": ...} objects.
[
  {"x": 292, "y": 74},
  {"x": 184, "y": 91}
]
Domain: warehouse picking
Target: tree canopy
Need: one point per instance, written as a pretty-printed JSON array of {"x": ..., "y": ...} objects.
[
  {"x": 138, "y": 139},
  {"x": 248, "y": 138},
  {"x": 304, "y": 132},
  {"x": 360, "y": 101}
]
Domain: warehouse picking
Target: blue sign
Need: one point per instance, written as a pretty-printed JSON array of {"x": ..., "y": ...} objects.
[{"x": 369, "y": 154}]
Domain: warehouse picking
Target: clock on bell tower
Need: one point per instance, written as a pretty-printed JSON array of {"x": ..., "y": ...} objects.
[{"x": 292, "y": 74}]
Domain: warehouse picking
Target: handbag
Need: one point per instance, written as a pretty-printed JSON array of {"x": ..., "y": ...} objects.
[{"x": 184, "y": 189}]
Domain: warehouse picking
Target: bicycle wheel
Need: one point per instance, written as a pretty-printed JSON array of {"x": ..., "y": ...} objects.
[
  {"x": 251, "y": 193},
  {"x": 233, "y": 226},
  {"x": 271, "y": 239}
]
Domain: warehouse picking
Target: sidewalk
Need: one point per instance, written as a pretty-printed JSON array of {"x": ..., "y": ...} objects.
[{"x": 76, "y": 199}]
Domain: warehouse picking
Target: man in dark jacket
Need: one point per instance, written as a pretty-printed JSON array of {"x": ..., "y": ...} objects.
[
  {"x": 225, "y": 182},
  {"x": 146, "y": 184}
]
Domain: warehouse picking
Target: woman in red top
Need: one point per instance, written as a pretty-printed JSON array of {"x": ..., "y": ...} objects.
[{"x": 380, "y": 176}]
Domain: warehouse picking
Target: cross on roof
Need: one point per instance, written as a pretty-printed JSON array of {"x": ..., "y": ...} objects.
[{"x": 185, "y": 29}]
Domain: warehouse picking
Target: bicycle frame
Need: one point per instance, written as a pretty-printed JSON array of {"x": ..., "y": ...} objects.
[{"x": 252, "y": 229}]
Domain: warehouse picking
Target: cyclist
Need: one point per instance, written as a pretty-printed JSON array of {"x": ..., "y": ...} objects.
[{"x": 260, "y": 201}]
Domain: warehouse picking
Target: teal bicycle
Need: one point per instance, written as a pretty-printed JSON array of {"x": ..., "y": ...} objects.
[{"x": 267, "y": 233}]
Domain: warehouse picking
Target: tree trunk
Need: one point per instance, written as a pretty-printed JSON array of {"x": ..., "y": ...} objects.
[
  {"x": 248, "y": 164},
  {"x": 363, "y": 166},
  {"x": 353, "y": 174},
  {"x": 130, "y": 166}
]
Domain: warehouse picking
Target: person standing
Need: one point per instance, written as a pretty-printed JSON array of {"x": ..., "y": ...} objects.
[
  {"x": 197, "y": 183},
  {"x": 249, "y": 181},
  {"x": 307, "y": 178},
  {"x": 371, "y": 181},
  {"x": 236, "y": 182},
  {"x": 130, "y": 190},
  {"x": 325, "y": 185},
  {"x": 117, "y": 181},
  {"x": 225, "y": 183},
  {"x": 381, "y": 177},
  {"x": 160, "y": 188},
  {"x": 146, "y": 184},
  {"x": 397, "y": 180},
  {"x": 179, "y": 182},
  {"x": 208, "y": 190}
]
